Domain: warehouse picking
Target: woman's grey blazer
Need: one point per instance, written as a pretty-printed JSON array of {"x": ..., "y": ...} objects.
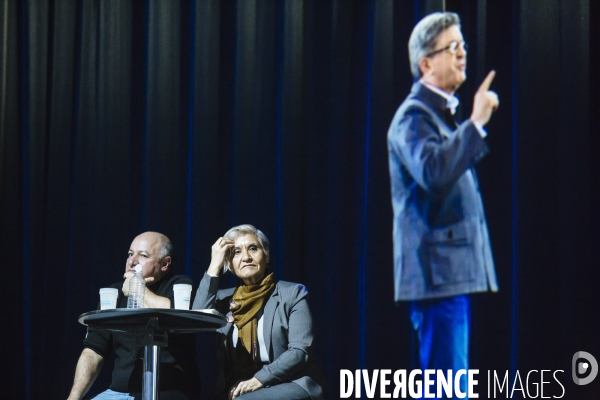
[{"x": 288, "y": 335}]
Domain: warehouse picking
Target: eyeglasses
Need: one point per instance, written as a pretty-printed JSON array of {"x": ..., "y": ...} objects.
[{"x": 452, "y": 47}]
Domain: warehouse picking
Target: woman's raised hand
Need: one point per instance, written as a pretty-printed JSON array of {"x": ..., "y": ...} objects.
[{"x": 220, "y": 253}]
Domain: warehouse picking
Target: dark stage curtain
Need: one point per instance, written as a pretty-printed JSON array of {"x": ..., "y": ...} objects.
[{"x": 189, "y": 117}]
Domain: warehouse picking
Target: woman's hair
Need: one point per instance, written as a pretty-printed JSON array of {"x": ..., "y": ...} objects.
[
  {"x": 246, "y": 229},
  {"x": 424, "y": 37}
]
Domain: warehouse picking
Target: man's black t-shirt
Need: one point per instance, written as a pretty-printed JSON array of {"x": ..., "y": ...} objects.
[{"x": 178, "y": 369}]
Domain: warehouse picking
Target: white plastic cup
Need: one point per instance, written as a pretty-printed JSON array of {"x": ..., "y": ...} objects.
[
  {"x": 182, "y": 292},
  {"x": 108, "y": 298}
]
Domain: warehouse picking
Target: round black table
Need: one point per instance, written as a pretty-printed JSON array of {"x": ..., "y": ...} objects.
[{"x": 152, "y": 327}]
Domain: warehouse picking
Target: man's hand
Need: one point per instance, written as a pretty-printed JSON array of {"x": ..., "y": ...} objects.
[
  {"x": 151, "y": 300},
  {"x": 127, "y": 276},
  {"x": 486, "y": 101},
  {"x": 246, "y": 387}
]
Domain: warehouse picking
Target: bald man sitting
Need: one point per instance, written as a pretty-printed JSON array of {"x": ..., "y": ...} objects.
[{"x": 179, "y": 378}]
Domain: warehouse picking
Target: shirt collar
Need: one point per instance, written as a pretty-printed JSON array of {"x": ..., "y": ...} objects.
[{"x": 451, "y": 101}]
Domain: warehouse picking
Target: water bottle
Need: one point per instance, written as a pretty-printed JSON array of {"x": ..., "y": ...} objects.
[{"x": 137, "y": 289}]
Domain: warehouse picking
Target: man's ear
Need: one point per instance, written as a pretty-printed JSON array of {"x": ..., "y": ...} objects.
[
  {"x": 268, "y": 258},
  {"x": 166, "y": 262},
  {"x": 424, "y": 65}
]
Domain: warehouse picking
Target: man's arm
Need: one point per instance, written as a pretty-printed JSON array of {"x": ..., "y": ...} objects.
[
  {"x": 88, "y": 368},
  {"x": 153, "y": 301},
  {"x": 434, "y": 163}
]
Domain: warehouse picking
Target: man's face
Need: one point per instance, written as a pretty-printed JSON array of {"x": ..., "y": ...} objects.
[
  {"x": 249, "y": 261},
  {"x": 444, "y": 69},
  {"x": 145, "y": 251}
]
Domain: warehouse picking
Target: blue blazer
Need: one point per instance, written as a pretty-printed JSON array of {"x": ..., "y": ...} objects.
[
  {"x": 288, "y": 335},
  {"x": 441, "y": 242}
]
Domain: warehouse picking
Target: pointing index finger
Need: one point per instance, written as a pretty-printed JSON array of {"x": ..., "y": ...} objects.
[{"x": 485, "y": 85}]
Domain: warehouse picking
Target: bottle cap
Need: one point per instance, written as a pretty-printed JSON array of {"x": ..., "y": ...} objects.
[{"x": 138, "y": 268}]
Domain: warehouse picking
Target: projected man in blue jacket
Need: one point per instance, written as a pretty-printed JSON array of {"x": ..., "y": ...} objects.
[{"x": 441, "y": 246}]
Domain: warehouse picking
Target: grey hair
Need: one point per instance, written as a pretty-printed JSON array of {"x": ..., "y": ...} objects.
[
  {"x": 166, "y": 247},
  {"x": 424, "y": 37},
  {"x": 246, "y": 229}
]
